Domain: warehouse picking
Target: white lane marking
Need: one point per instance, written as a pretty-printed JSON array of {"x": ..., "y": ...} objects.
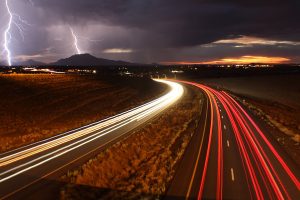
[
  {"x": 222, "y": 116},
  {"x": 232, "y": 174},
  {"x": 224, "y": 127},
  {"x": 227, "y": 143}
]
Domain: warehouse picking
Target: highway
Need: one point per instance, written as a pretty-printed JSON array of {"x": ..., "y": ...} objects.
[
  {"x": 232, "y": 157},
  {"x": 28, "y": 166}
]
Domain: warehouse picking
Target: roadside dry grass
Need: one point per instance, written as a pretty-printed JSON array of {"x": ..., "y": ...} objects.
[
  {"x": 142, "y": 165},
  {"x": 34, "y": 107}
]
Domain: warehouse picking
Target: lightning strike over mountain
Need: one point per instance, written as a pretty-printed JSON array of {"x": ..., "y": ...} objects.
[
  {"x": 14, "y": 19},
  {"x": 75, "y": 41}
]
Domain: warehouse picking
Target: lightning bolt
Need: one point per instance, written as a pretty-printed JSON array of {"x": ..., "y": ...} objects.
[
  {"x": 7, "y": 35},
  {"x": 14, "y": 19},
  {"x": 75, "y": 41}
]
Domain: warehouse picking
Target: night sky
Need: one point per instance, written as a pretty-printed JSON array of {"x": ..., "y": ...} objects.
[{"x": 164, "y": 31}]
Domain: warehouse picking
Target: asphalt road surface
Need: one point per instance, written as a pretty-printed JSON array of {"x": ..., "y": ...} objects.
[
  {"x": 231, "y": 157},
  {"x": 29, "y": 166}
]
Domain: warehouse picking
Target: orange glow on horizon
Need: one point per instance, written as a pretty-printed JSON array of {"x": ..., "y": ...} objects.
[{"x": 240, "y": 60}]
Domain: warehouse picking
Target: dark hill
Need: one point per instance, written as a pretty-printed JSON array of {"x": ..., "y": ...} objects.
[{"x": 88, "y": 60}]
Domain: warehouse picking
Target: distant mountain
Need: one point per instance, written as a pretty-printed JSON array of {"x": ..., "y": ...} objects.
[
  {"x": 30, "y": 63},
  {"x": 88, "y": 60}
]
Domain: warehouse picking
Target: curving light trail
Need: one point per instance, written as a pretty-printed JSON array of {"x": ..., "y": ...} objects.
[
  {"x": 34, "y": 155},
  {"x": 267, "y": 174},
  {"x": 75, "y": 41}
]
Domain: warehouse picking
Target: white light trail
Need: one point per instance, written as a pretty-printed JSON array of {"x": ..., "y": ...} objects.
[
  {"x": 75, "y": 41},
  {"x": 71, "y": 141},
  {"x": 14, "y": 19}
]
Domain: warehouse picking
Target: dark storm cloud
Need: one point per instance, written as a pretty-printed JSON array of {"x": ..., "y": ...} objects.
[
  {"x": 154, "y": 30},
  {"x": 188, "y": 22}
]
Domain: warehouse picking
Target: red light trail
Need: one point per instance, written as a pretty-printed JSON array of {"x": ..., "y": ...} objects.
[{"x": 266, "y": 172}]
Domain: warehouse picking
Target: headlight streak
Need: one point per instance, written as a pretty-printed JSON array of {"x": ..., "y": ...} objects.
[
  {"x": 104, "y": 132},
  {"x": 155, "y": 106},
  {"x": 78, "y": 129},
  {"x": 36, "y": 149},
  {"x": 80, "y": 142},
  {"x": 60, "y": 151}
]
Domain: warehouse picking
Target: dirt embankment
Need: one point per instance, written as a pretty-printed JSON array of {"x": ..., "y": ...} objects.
[
  {"x": 142, "y": 165},
  {"x": 34, "y": 107}
]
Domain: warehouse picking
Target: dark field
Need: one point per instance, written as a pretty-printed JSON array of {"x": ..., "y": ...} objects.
[{"x": 33, "y": 107}]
